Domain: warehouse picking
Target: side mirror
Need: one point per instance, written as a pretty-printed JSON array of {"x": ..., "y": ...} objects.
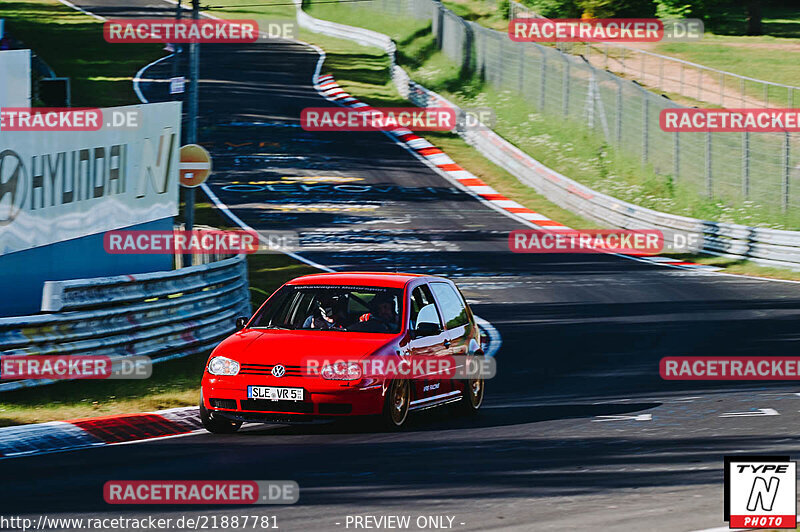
[
  {"x": 426, "y": 328},
  {"x": 241, "y": 321}
]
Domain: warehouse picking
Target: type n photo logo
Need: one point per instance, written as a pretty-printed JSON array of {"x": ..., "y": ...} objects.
[{"x": 760, "y": 492}]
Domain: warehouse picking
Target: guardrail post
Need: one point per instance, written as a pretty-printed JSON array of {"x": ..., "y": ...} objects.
[
  {"x": 785, "y": 188},
  {"x": 746, "y": 164},
  {"x": 709, "y": 182}
]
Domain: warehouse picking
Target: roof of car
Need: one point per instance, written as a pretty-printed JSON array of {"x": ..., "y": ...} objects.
[{"x": 384, "y": 279}]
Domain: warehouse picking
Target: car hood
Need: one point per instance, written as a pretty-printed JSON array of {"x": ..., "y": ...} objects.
[{"x": 272, "y": 346}]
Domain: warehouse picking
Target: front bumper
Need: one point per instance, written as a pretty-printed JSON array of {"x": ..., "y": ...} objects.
[{"x": 321, "y": 400}]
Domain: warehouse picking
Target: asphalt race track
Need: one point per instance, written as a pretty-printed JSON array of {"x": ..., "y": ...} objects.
[{"x": 578, "y": 431}]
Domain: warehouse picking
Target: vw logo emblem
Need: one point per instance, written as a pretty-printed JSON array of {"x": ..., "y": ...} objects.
[
  {"x": 278, "y": 371},
  {"x": 13, "y": 186}
]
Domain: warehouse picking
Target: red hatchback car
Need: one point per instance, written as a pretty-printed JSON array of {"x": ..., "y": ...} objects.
[{"x": 262, "y": 373}]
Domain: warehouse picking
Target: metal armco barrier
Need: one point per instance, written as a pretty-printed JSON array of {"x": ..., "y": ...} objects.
[
  {"x": 163, "y": 315},
  {"x": 770, "y": 247}
]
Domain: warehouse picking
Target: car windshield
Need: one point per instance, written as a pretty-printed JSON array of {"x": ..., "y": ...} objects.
[{"x": 333, "y": 308}]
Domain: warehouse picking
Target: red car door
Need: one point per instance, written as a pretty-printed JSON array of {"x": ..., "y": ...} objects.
[
  {"x": 429, "y": 341},
  {"x": 458, "y": 328}
]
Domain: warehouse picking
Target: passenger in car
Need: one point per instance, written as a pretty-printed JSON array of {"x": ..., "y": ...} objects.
[{"x": 383, "y": 319}]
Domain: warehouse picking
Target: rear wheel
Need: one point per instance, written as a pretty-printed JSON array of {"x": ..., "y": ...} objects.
[
  {"x": 398, "y": 398},
  {"x": 216, "y": 424},
  {"x": 472, "y": 396}
]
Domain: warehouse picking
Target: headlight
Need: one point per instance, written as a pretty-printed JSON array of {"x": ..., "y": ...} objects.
[
  {"x": 341, "y": 371},
  {"x": 223, "y": 366}
]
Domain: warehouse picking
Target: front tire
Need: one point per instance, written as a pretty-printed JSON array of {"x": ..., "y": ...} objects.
[
  {"x": 472, "y": 396},
  {"x": 398, "y": 399},
  {"x": 217, "y": 424}
]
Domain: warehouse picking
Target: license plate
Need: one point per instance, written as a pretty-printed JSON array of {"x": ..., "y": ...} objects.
[{"x": 274, "y": 393}]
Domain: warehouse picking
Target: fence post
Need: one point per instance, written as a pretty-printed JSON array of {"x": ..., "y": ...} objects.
[
  {"x": 619, "y": 111},
  {"x": 676, "y": 156},
  {"x": 543, "y": 79},
  {"x": 709, "y": 182},
  {"x": 785, "y": 188},
  {"x": 645, "y": 128},
  {"x": 565, "y": 86},
  {"x": 469, "y": 39},
  {"x": 746, "y": 164}
]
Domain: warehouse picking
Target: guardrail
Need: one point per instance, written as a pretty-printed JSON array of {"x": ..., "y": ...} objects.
[
  {"x": 766, "y": 246},
  {"x": 163, "y": 315}
]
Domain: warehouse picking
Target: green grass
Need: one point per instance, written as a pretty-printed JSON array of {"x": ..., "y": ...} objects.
[
  {"x": 480, "y": 11},
  {"x": 100, "y": 73},
  {"x": 765, "y": 58},
  {"x": 173, "y": 383}
]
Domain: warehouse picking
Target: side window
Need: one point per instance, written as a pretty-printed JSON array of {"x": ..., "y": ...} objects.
[
  {"x": 423, "y": 307},
  {"x": 452, "y": 306}
]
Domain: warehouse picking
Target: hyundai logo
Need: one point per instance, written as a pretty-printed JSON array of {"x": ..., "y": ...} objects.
[
  {"x": 13, "y": 186},
  {"x": 278, "y": 371}
]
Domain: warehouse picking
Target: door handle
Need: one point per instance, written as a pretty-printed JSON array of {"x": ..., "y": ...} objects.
[{"x": 446, "y": 343}]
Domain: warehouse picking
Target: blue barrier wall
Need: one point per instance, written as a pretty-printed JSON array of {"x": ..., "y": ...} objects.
[{"x": 22, "y": 274}]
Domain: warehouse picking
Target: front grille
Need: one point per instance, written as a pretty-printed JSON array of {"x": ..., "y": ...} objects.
[
  {"x": 266, "y": 369},
  {"x": 223, "y": 403},
  {"x": 266, "y": 405},
  {"x": 335, "y": 408}
]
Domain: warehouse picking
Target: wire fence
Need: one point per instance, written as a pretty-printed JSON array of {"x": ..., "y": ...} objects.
[
  {"x": 763, "y": 168},
  {"x": 677, "y": 77}
]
